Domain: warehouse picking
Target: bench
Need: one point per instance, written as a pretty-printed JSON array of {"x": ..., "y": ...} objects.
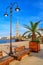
[
  {"x": 1, "y": 54},
  {"x": 6, "y": 60},
  {"x": 20, "y": 52},
  {"x": 19, "y": 48}
]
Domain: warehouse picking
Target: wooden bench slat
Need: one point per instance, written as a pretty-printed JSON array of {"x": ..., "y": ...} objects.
[
  {"x": 20, "y": 52},
  {"x": 6, "y": 60}
]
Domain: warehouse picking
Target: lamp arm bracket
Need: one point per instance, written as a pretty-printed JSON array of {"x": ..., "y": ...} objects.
[
  {"x": 7, "y": 7},
  {"x": 15, "y": 3}
]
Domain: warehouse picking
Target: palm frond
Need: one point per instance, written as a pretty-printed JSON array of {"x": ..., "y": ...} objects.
[
  {"x": 41, "y": 29},
  {"x": 29, "y": 35},
  {"x": 26, "y": 33},
  {"x": 39, "y": 34},
  {"x": 26, "y": 26},
  {"x": 36, "y": 24},
  {"x": 32, "y": 24}
]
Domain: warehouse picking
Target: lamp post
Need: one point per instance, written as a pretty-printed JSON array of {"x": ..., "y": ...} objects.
[{"x": 6, "y": 14}]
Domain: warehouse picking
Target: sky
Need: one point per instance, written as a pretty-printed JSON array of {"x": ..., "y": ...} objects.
[{"x": 30, "y": 10}]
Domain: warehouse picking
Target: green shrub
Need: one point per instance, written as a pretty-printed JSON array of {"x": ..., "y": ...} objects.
[{"x": 36, "y": 40}]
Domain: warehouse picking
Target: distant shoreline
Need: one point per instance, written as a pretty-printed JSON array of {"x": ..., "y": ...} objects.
[{"x": 6, "y": 41}]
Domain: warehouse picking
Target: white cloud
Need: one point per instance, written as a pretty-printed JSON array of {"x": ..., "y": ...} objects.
[{"x": 4, "y": 34}]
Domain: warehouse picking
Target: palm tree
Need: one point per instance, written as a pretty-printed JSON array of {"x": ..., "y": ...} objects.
[{"x": 33, "y": 29}]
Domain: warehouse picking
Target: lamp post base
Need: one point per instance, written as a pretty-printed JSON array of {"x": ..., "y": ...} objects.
[{"x": 11, "y": 53}]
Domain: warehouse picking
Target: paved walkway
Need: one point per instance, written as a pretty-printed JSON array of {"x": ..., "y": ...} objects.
[{"x": 33, "y": 59}]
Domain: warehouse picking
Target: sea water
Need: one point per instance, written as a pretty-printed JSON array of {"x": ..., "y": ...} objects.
[{"x": 6, "y": 41}]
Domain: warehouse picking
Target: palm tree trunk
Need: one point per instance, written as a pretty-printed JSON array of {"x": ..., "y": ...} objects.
[{"x": 33, "y": 36}]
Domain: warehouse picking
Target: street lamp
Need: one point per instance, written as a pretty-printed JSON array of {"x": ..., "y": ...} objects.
[{"x": 6, "y": 14}]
